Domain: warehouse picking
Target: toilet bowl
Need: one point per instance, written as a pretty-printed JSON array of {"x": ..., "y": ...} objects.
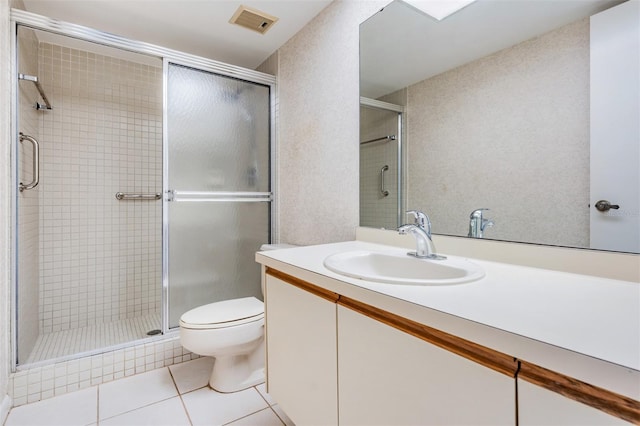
[{"x": 232, "y": 332}]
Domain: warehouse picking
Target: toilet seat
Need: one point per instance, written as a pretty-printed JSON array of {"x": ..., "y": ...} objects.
[{"x": 227, "y": 313}]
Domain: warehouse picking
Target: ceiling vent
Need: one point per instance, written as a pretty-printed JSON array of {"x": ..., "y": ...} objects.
[{"x": 253, "y": 19}]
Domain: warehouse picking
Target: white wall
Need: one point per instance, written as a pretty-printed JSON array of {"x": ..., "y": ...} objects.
[{"x": 318, "y": 83}]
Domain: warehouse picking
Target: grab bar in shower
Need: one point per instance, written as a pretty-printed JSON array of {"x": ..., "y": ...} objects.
[
  {"x": 383, "y": 191},
  {"x": 34, "y": 79},
  {"x": 121, "y": 196},
  {"x": 384, "y": 138},
  {"x": 36, "y": 163}
]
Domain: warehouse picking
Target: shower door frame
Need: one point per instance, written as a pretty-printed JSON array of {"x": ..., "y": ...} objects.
[
  {"x": 214, "y": 68},
  {"x": 43, "y": 23}
]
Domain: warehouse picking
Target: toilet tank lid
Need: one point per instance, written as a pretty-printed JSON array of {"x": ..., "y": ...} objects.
[
  {"x": 224, "y": 311},
  {"x": 266, "y": 247}
]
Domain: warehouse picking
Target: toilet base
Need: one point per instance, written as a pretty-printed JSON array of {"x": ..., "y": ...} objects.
[{"x": 235, "y": 373}]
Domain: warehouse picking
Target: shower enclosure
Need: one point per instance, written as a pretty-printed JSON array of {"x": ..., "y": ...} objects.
[
  {"x": 381, "y": 165},
  {"x": 142, "y": 187}
]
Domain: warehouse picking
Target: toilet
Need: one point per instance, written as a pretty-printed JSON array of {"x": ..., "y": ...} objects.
[{"x": 232, "y": 332}]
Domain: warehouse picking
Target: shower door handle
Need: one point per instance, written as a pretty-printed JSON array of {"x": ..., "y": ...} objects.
[
  {"x": 383, "y": 191},
  {"x": 36, "y": 163}
]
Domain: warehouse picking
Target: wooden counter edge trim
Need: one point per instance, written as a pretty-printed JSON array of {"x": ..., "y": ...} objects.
[
  {"x": 297, "y": 282},
  {"x": 490, "y": 358},
  {"x": 604, "y": 400}
]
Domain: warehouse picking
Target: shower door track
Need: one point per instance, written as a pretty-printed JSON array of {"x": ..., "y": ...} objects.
[{"x": 43, "y": 23}]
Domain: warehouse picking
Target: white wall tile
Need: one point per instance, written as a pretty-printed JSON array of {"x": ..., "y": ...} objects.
[
  {"x": 100, "y": 258},
  {"x": 44, "y": 382}
]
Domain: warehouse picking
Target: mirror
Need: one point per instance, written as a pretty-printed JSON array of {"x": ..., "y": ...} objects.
[{"x": 499, "y": 105}]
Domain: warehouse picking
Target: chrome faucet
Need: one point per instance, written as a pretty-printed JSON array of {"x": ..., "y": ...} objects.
[
  {"x": 477, "y": 224},
  {"x": 421, "y": 231}
]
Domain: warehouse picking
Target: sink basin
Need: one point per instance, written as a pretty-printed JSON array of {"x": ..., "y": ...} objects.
[{"x": 396, "y": 267}]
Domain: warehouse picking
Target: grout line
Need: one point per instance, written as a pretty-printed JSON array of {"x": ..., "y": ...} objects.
[
  {"x": 250, "y": 414},
  {"x": 281, "y": 419},
  {"x": 138, "y": 408},
  {"x": 260, "y": 393},
  {"x": 184, "y": 406},
  {"x": 274, "y": 412},
  {"x": 98, "y": 405}
]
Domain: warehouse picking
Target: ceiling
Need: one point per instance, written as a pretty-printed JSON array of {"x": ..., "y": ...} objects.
[
  {"x": 199, "y": 27},
  {"x": 400, "y": 46}
]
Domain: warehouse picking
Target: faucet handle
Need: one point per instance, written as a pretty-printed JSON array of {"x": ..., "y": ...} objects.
[
  {"x": 421, "y": 220},
  {"x": 477, "y": 212}
]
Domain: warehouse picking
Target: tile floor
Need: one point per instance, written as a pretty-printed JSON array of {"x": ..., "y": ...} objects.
[{"x": 174, "y": 396}]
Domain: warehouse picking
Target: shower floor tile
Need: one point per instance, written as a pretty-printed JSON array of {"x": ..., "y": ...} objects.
[{"x": 68, "y": 342}]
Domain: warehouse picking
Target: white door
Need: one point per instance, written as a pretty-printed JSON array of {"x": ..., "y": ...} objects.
[{"x": 615, "y": 127}]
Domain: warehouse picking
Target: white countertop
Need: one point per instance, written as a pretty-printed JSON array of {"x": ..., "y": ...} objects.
[{"x": 592, "y": 316}]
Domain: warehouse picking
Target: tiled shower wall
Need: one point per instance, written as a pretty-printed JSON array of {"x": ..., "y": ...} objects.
[{"x": 100, "y": 258}]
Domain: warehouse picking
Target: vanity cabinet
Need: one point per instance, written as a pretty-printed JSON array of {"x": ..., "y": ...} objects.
[
  {"x": 389, "y": 377},
  {"x": 332, "y": 359},
  {"x": 301, "y": 353},
  {"x": 538, "y": 406}
]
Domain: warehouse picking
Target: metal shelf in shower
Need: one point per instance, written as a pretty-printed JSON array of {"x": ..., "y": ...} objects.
[
  {"x": 34, "y": 79},
  {"x": 383, "y": 138}
]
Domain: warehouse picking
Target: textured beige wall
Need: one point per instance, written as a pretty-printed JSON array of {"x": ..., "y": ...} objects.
[
  {"x": 318, "y": 84},
  {"x": 5, "y": 198},
  {"x": 509, "y": 132}
]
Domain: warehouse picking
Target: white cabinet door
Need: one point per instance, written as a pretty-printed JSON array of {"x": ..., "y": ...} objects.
[
  {"x": 538, "y": 406},
  {"x": 301, "y": 353},
  {"x": 388, "y": 377}
]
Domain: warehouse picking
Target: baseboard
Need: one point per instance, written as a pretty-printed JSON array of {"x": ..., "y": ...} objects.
[{"x": 4, "y": 409}]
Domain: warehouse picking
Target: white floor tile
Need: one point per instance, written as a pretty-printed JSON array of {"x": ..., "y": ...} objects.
[
  {"x": 208, "y": 407},
  {"x": 169, "y": 412},
  {"x": 265, "y": 417},
  {"x": 283, "y": 416},
  {"x": 134, "y": 392},
  {"x": 263, "y": 391},
  {"x": 192, "y": 375},
  {"x": 75, "y": 408}
]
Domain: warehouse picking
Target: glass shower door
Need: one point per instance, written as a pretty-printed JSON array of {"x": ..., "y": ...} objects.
[{"x": 218, "y": 153}]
